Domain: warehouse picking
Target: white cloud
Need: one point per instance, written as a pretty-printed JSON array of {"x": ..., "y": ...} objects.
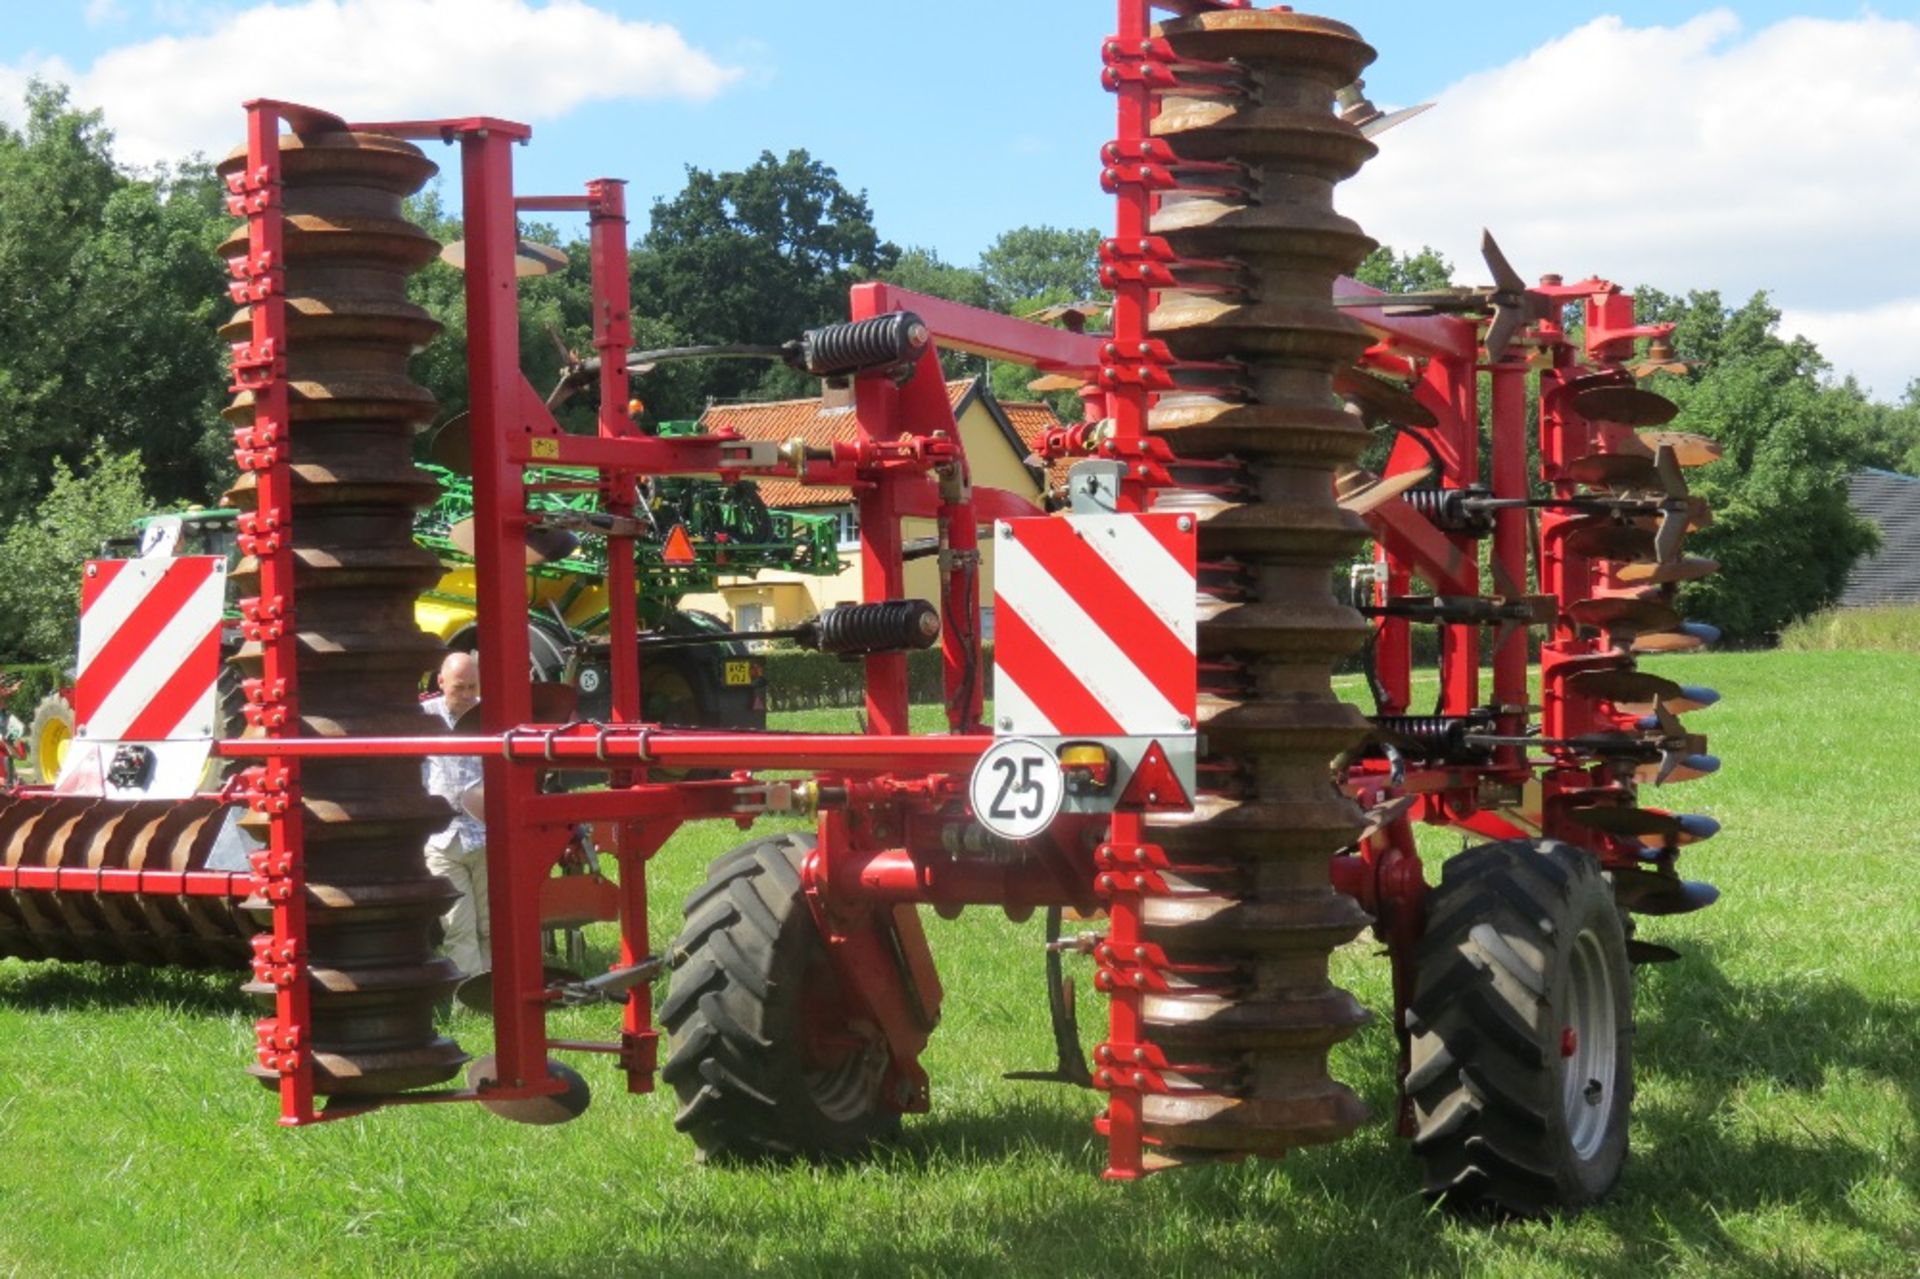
[
  {"x": 377, "y": 59},
  {"x": 1694, "y": 156},
  {"x": 1884, "y": 341},
  {"x": 99, "y": 13}
]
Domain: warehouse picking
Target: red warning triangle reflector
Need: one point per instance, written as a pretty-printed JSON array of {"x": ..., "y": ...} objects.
[
  {"x": 1154, "y": 786},
  {"x": 679, "y": 547}
]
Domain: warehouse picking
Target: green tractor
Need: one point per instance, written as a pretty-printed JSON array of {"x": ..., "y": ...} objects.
[{"x": 719, "y": 528}]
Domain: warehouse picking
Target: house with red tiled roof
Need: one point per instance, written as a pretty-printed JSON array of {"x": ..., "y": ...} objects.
[{"x": 998, "y": 438}]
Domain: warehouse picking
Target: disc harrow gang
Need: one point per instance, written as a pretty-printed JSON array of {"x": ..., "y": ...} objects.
[
  {"x": 163, "y": 842},
  {"x": 373, "y": 975},
  {"x": 1251, "y": 919}
]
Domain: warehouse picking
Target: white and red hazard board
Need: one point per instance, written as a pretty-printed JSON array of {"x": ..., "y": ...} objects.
[
  {"x": 1094, "y": 641},
  {"x": 148, "y": 665}
]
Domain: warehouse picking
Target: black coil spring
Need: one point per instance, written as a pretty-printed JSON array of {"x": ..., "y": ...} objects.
[
  {"x": 886, "y": 627},
  {"x": 1433, "y": 737},
  {"x": 882, "y": 342},
  {"x": 1447, "y": 510}
]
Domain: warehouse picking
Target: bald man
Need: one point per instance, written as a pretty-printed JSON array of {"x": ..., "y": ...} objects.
[{"x": 459, "y": 853}]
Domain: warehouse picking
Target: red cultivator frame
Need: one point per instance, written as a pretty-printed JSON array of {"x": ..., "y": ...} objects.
[{"x": 1164, "y": 719}]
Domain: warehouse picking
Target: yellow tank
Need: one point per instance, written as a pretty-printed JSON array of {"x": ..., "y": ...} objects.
[{"x": 448, "y": 607}]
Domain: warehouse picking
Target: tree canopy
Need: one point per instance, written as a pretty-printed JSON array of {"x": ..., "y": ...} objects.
[
  {"x": 110, "y": 361},
  {"x": 756, "y": 255},
  {"x": 113, "y": 293},
  {"x": 1782, "y": 529}
]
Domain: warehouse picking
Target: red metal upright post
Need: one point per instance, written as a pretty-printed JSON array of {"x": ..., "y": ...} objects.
[
  {"x": 634, "y": 842},
  {"x": 273, "y": 787},
  {"x": 494, "y": 384},
  {"x": 1510, "y": 542}
]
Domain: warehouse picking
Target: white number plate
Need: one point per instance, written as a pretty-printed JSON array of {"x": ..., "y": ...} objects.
[{"x": 1016, "y": 788}]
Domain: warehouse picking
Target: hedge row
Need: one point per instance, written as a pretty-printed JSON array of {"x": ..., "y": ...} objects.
[
  {"x": 37, "y": 679},
  {"x": 798, "y": 680}
]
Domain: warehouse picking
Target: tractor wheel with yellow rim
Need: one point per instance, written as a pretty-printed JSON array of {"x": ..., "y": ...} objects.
[{"x": 48, "y": 737}]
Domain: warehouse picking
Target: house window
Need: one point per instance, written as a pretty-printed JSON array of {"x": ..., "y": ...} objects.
[
  {"x": 750, "y": 617},
  {"x": 986, "y": 623},
  {"x": 849, "y": 517}
]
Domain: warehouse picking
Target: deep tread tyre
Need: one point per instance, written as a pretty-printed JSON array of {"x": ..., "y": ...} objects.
[
  {"x": 766, "y": 1061},
  {"x": 47, "y": 737},
  {"x": 1514, "y": 1115}
]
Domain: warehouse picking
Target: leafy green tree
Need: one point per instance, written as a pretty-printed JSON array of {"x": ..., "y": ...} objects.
[
  {"x": 1392, "y": 272},
  {"x": 924, "y": 271},
  {"x": 754, "y": 256},
  {"x": 1783, "y": 532},
  {"x": 44, "y": 551},
  {"x": 1031, "y": 266},
  {"x": 114, "y": 292}
]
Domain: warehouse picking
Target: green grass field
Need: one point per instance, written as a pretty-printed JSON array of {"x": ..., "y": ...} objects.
[{"x": 1777, "y": 1130}]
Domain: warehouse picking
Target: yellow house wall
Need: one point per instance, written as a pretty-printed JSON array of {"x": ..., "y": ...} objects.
[{"x": 794, "y": 597}]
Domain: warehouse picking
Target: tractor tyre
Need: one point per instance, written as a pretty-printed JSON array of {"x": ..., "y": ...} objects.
[
  {"x": 48, "y": 736},
  {"x": 1522, "y": 1032},
  {"x": 768, "y": 1059}
]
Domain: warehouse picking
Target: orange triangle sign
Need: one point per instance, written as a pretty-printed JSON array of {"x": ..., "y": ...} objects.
[
  {"x": 1154, "y": 786},
  {"x": 679, "y": 547}
]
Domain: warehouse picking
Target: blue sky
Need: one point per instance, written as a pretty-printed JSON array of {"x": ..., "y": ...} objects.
[{"x": 961, "y": 120}]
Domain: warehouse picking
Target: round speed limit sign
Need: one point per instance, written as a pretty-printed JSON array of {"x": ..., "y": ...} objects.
[{"x": 1016, "y": 788}]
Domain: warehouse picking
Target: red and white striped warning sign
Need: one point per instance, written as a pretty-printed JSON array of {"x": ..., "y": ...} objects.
[
  {"x": 1094, "y": 621},
  {"x": 149, "y": 648}
]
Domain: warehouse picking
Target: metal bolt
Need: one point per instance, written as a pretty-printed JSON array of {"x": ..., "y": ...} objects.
[
  {"x": 1006, "y": 723},
  {"x": 1184, "y": 524},
  {"x": 1186, "y": 721},
  {"x": 1006, "y": 531}
]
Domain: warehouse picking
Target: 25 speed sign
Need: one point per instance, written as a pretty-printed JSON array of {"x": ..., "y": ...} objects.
[{"x": 1016, "y": 788}]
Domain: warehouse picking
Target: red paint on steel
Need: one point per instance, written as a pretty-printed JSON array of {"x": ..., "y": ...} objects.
[
  {"x": 133, "y": 640},
  {"x": 1111, "y": 601},
  {"x": 1043, "y": 675},
  {"x": 274, "y": 786}
]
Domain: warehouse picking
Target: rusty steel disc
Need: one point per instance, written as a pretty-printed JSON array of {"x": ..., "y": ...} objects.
[
  {"x": 1647, "y": 893},
  {"x": 1692, "y": 768},
  {"x": 1627, "y": 405},
  {"x": 1612, "y": 470},
  {"x": 452, "y": 445},
  {"x": 530, "y": 258},
  {"x": 1668, "y": 641},
  {"x": 1386, "y": 814},
  {"x": 1360, "y": 491},
  {"x": 1688, "y": 449},
  {"x": 1602, "y": 537},
  {"x": 1622, "y": 685},
  {"x": 1619, "y": 819},
  {"x": 1622, "y": 615},
  {"x": 1688, "y": 568},
  {"x": 1382, "y": 401},
  {"x": 544, "y": 545}
]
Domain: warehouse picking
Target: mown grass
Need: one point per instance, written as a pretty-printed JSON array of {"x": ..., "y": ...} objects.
[
  {"x": 1777, "y": 1130},
  {"x": 1888, "y": 628}
]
